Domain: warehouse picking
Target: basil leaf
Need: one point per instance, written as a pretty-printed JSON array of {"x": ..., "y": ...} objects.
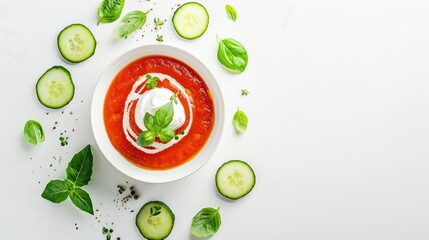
[
  {"x": 81, "y": 199},
  {"x": 240, "y": 121},
  {"x": 166, "y": 134},
  {"x": 79, "y": 169},
  {"x": 110, "y": 10},
  {"x": 33, "y": 132},
  {"x": 164, "y": 115},
  {"x": 148, "y": 121},
  {"x": 232, "y": 55},
  {"x": 56, "y": 191},
  {"x": 146, "y": 138},
  {"x": 231, "y": 12},
  {"x": 206, "y": 222},
  {"x": 131, "y": 22}
]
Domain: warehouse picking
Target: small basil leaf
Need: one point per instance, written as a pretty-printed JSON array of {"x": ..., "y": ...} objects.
[
  {"x": 131, "y": 22},
  {"x": 240, "y": 121},
  {"x": 232, "y": 55},
  {"x": 56, "y": 191},
  {"x": 231, "y": 12},
  {"x": 146, "y": 138},
  {"x": 164, "y": 115},
  {"x": 148, "y": 121},
  {"x": 79, "y": 169},
  {"x": 110, "y": 10},
  {"x": 166, "y": 134},
  {"x": 206, "y": 222},
  {"x": 33, "y": 132},
  {"x": 81, "y": 199}
]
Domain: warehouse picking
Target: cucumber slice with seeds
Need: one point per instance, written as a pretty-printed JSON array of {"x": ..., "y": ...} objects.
[
  {"x": 155, "y": 220},
  {"x": 235, "y": 179},
  {"x": 191, "y": 20},
  {"x": 76, "y": 43},
  {"x": 55, "y": 87}
]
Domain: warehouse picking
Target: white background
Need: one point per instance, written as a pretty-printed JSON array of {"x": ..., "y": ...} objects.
[{"x": 338, "y": 121}]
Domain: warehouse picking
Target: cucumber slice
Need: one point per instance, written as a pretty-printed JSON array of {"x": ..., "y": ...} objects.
[
  {"x": 55, "y": 87},
  {"x": 76, "y": 43},
  {"x": 155, "y": 220},
  {"x": 235, "y": 179},
  {"x": 191, "y": 20}
]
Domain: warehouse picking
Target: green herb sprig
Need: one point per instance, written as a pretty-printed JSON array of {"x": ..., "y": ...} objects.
[
  {"x": 244, "y": 92},
  {"x": 79, "y": 171},
  {"x": 160, "y": 38},
  {"x": 158, "y": 23},
  {"x": 107, "y": 232},
  {"x": 174, "y": 98},
  {"x": 33, "y": 132},
  {"x": 151, "y": 81},
  {"x": 206, "y": 222},
  {"x": 130, "y": 23},
  {"x": 157, "y": 126},
  {"x": 63, "y": 141}
]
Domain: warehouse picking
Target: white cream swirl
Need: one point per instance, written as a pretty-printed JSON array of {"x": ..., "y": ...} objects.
[{"x": 150, "y": 101}]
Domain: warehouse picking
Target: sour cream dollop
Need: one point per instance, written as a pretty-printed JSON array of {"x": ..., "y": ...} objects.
[{"x": 152, "y": 100}]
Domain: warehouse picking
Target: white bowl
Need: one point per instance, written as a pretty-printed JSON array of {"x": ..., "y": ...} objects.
[{"x": 120, "y": 162}]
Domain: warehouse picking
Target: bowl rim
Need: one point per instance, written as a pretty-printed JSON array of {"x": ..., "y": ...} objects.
[{"x": 103, "y": 141}]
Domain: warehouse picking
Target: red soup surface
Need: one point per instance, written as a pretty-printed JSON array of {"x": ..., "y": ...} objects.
[{"x": 194, "y": 95}]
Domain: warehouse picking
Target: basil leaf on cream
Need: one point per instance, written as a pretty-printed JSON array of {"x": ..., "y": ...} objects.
[
  {"x": 146, "y": 138},
  {"x": 164, "y": 115},
  {"x": 166, "y": 134}
]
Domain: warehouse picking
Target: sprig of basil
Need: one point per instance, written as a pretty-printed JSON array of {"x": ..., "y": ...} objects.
[
  {"x": 231, "y": 12},
  {"x": 131, "y": 22},
  {"x": 33, "y": 132},
  {"x": 232, "y": 55},
  {"x": 79, "y": 172},
  {"x": 240, "y": 121},
  {"x": 206, "y": 222},
  {"x": 151, "y": 81},
  {"x": 157, "y": 126},
  {"x": 110, "y": 10}
]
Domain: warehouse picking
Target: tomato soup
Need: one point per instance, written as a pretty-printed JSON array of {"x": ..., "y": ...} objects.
[{"x": 123, "y": 111}]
